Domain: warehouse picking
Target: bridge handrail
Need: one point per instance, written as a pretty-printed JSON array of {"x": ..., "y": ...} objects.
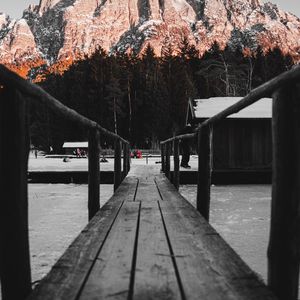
[
  {"x": 12, "y": 80},
  {"x": 284, "y": 246},
  {"x": 15, "y": 270}
]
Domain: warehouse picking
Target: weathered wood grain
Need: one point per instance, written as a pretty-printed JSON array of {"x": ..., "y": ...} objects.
[
  {"x": 117, "y": 165},
  {"x": 204, "y": 171},
  {"x": 208, "y": 267},
  {"x": 163, "y": 156},
  {"x": 68, "y": 275},
  {"x": 125, "y": 160},
  {"x": 176, "y": 179},
  {"x": 111, "y": 273},
  {"x": 14, "y": 245},
  {"x": 94, "y": 173},
  {"x": 155, "y": 276},
  {"x": 167, "y": 162},
  {"x": 284, "y": 244},
  {"x": 157, "y": 247}
]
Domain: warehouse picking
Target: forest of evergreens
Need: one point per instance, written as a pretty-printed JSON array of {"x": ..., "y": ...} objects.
[{"x": 144, "y": 98}]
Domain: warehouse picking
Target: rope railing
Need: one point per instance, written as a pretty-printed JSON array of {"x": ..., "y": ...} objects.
[
  {"x": 284, "y": 242},
  {"x": 15, "y": 271}
]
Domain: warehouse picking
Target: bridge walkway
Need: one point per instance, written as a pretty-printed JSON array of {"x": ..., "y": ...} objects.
[{"x": 148, "y": 242}]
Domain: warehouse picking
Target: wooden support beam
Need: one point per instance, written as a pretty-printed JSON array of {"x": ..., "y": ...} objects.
[
  {"x": 125, "y": 160},
  {"x": 162, "y": 151},
  {"x": 117, "y": 165},
  {"x": 128, "y": 157},
  {"x": 176, "y": 164},
  {"x": 204, "y": 171},
  {"x": 14, "y": 243},
  {"x": 167, "y": 163},
  {"x": 284, "y": 244},
  {"x": 94, "y": 172}
]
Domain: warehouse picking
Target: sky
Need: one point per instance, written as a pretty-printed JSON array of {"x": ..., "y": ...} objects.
[{"x": 15, "y": 9}]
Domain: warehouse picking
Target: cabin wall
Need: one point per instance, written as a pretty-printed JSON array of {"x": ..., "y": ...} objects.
[{"x": 242, "y": 144}]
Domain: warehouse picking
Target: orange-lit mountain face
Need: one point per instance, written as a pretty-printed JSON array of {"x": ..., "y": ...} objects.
[{"x": 57, "y": 32}]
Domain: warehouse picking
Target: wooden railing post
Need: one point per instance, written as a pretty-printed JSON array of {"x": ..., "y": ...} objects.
[
  {"x": 117, "y": 165},
  {"x": 94, "y": 172},
  {"x": 125, "y": 160},
  {"x": 128, "y": 157},
  {"x": 284, "y": 244},
  {"x": 123, "y": 149},
  {"x": 167, "y": 167},
  {"x": 204, "y": 171},
  {"x": 176, "y": 164},
  {"x": 14, "y": 243},
  {"x": 162, "y": 151}
]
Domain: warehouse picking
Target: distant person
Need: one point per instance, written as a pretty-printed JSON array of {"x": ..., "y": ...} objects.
[
  {"x": 185, "y": 147},
  {"x": 78, "y": 152},
  {"x": 103, "y": 159},
  {"x": 147, "y": 143},
  {"x": 35, "y": 153}
]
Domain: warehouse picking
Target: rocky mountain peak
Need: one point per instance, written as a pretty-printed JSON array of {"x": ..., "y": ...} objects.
[
  {"x": 64, "y": 30},
  {"x": 46, "y": 5}
]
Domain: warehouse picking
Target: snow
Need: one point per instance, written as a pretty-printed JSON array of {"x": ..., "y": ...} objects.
[
  {"x": 75, "y": 145},
  {"x": 206, "y": 108}
]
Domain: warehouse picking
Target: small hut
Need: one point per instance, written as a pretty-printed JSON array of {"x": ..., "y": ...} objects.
[
  {"x": 73, "y": 147},
  {"x": 243, "y": 141}
]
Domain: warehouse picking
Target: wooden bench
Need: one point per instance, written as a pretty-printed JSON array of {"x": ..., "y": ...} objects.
[{"x": 148, "y": 242}]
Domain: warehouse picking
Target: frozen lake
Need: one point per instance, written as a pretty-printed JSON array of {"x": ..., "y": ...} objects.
[
  {"x": 241, "y": 214},
  {"x": 57, "y": 214}
]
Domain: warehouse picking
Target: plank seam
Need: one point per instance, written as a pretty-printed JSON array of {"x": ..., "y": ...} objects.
[
  {"x": 160, "y": 195},
  {"x": 100, "y": 248},
  {"x": 173, "y": 257},
  {"x": 134, "y": 257},
  {"x": 136, "y": 189},
  {"x": 98, "y": 252},
  {"x": 170, "y": 247}
]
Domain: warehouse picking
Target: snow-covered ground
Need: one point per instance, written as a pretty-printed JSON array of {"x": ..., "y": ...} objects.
[
  {"x": 241, "y": 214},
  {"x": 81, "y": 164},
  {"x": 57, "y": 214}
]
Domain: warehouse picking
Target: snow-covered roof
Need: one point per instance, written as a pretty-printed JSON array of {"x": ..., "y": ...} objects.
[
  {"x": 75, "y": 145},
  {"x": 206, "y": 108}
]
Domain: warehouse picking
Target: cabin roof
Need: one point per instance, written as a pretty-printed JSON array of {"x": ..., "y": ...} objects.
[
  {"x": 75, "y": 145},
  {"x": 206, "y": 108}
]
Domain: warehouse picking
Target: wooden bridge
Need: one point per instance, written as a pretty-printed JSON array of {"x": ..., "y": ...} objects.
[{"x": 147, "y": 241}]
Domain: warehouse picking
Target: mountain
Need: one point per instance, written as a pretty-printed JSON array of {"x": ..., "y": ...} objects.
[{"x": 56, "y": 32}]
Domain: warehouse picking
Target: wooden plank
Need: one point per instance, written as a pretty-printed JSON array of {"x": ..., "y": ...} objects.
[
  {"x": 204, "y": 171},
  {"x": 70, "y": 272},
  {"x": 284, "y": 244},
  {"x": 94, "y": 173},
  {"x": 111, "y": 273},
  {"x": 208, "y": 267},
  {"x": 14, "y": 244},
  {"x": 155, "y": 276}
]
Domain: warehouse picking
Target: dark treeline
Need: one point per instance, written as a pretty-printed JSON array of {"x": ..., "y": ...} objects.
[{"x": 144, "y": 98}]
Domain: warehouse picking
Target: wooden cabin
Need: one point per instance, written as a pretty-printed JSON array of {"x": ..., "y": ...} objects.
[
  {"x": 70, "y": 148},
  {"x": 241, "y": 142}
]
